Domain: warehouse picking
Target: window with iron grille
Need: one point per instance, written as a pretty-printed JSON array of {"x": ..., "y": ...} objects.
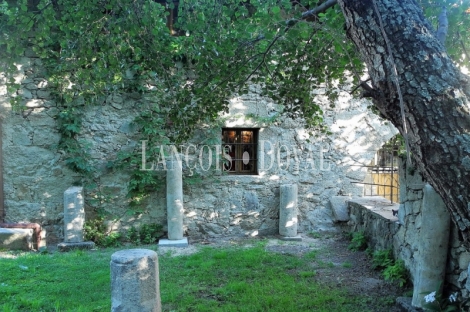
[
  {"x": 382, "y": 177},
  {"x": 240, "y": 146}
]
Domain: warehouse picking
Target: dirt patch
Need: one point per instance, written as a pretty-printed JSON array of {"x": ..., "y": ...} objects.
[
  {"x": 336, "y": 266},
  {"x": 353, "y": 270}
]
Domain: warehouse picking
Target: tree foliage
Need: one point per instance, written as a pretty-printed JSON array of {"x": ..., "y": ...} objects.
[
  {"x": 93, "y": 49},
  {"x": 125, "y": 46}
]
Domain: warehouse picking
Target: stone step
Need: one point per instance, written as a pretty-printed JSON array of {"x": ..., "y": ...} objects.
[{"x": 16, "y": 239}]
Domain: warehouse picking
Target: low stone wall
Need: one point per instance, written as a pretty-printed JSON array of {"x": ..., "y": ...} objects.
[
  {"x": 404, "y": 234},
  {"x": 373, "y": 215}
]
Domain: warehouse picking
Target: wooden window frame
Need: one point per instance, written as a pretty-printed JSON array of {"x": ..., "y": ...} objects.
[{"x": 237, "y": 149}]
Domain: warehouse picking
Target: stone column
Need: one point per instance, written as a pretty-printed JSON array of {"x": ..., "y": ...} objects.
[
  {"x": 74, "y": 215},
  {"x": 74, "y": 219},
  {"x": 174, "y": 199},
  {"x": 288, "y": 211},
  {"x": 135, "y": 284},
  {"x": 433, "y": 244}
]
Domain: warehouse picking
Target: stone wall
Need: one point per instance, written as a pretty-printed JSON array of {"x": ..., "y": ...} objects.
[
  {"x": 35, "y": 175},
  {"x": 373, "y": 216},
  {"x": 404, "y": 234},
  {"x": 406, "y": 243}
]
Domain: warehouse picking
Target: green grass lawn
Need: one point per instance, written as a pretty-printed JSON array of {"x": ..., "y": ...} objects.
[{"x": 214, "y": 279}]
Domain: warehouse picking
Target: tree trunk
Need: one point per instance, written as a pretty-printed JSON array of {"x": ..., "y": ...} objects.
[{"x": 436, "y": 97}]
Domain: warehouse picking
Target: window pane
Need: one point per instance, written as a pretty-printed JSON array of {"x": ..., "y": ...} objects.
[
  {"x": 247, "y": 137},
  {"x": 229, "y": 136}
]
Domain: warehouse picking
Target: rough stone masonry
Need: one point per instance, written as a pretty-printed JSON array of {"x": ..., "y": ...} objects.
[
  {"x": 322, "y": 166},
  {"x": 135, "y": 282}
]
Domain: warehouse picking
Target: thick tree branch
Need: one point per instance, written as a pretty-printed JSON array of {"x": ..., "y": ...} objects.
[
  {"x": 464, "y": 48},
  {"x": 312, "y": 14},
  {"x": 319, "y": 9},
  {"x": 441, "y": 33}
]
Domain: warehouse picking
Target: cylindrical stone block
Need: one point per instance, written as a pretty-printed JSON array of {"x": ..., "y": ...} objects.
[
  {"x": 74, "y": 215},
  {"x": 135, "y": 284},
  {"x": 174, "y": 199},
  {"x": 288, "y": 210},
  {"x": 432, "y": 246}
]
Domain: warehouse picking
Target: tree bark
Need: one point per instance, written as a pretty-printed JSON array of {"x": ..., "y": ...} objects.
[{"x": 435, "y": 94}]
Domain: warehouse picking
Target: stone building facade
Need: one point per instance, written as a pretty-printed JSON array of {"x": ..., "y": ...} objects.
[{"x": 220, "y": 204}]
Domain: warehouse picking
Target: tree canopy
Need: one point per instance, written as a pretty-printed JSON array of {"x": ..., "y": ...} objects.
[{"x": 91, "y": 49}]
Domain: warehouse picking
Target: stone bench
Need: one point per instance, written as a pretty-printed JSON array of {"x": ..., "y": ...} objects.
[{"x": 16, "y": 239}]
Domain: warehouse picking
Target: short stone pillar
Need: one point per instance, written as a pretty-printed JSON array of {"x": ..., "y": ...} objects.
[
  {"x": 174, "y": 205},
  {"x": 74, "y": 214},
  {"x": 288, "y": 212},
  {"x": 135, "y": 284},
  {"x": 432, "y": 246},
  {"x": 74, "y": 219}
]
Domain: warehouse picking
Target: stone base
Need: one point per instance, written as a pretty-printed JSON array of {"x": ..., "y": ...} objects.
[
  {"x": 404, "y": 303},
  {"x": 16, "y": 239},
  {"x": 173, "y": 242},
  {"x": 71, "y": 246},
  {"x": 297, "y": 238}
]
